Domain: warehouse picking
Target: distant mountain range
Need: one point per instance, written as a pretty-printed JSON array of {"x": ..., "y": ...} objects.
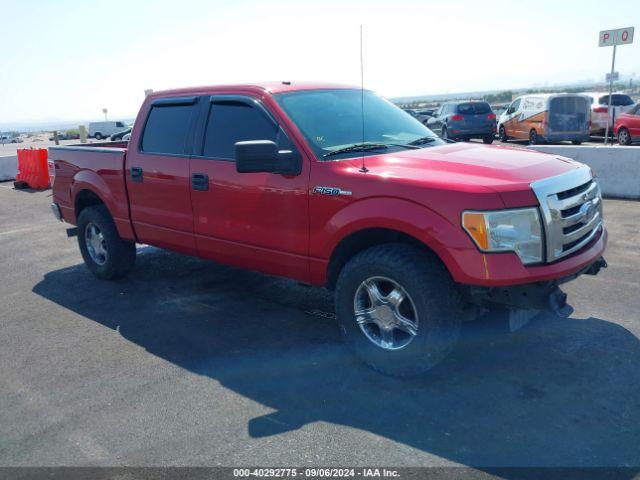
[
  {"x": 436, "y": 97},
  {"x": 50, "y": 125}
]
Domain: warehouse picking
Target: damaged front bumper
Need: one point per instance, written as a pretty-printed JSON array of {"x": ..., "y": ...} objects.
[{"x": 535, "y": 296}]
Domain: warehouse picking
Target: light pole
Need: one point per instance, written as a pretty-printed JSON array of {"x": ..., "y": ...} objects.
[{"x": 104, "y": 110}]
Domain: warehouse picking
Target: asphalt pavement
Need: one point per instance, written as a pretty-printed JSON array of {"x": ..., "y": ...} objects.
[{"x": 187, "y": 362}]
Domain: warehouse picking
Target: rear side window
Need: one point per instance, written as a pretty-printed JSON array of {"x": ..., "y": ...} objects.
[
  {"x": 474, "y": 108},
  {"x": 235, "y": 121},
  {"x": 166, "y": 129},
  {"x": 617, "y": 100}
]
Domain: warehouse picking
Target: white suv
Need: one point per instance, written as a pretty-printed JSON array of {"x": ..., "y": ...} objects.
[{"x": 620, "y": 103}]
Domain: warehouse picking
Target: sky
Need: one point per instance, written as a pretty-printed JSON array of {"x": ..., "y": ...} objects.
[{"x": 69, "y": 59}]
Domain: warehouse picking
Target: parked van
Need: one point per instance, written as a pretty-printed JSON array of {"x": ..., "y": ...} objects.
[
  {"x": 100, "y": 130},
  {"x": 547, "y": 117}
]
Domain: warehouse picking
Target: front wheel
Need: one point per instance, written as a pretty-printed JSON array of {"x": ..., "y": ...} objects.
[
  {"x": 576, "y": 142},
  {"x": 533, "y": 137},
  {"x": 398, "y": 308},
  {"x": 106, "y": 255},
  {"x": 98, "y": 136},
  {"x": 624, "y": 138},
  {"x": 502, "y": 134}
]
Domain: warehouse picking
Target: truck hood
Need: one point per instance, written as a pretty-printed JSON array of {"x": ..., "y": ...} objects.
[{"x": 506, "y": 170}]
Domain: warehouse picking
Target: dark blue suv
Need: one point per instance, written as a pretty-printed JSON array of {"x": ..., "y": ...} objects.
[{"x": 464, "y": 120}]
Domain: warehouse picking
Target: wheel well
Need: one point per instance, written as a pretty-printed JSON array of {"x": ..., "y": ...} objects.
[
  {"x": 361, "y": 240},
  {"x": 86, "y": 198}
]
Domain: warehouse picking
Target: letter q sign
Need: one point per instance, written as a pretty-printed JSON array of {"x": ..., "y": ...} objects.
[{"x": 621, "y": 36}]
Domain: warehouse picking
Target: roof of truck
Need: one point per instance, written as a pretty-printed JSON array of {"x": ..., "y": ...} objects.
[{"x": 269, "y": 87}]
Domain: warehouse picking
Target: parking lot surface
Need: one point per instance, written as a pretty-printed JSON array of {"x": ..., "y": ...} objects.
[{"x": 187, "y": 362}]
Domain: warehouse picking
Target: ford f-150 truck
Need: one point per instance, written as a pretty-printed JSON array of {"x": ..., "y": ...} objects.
[{"x": 335, "y": 186}]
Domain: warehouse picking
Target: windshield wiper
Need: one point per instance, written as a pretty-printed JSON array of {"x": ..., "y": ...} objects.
[
  {"x": 357, "y": 147},
  {"x": 423, "y": 140}
]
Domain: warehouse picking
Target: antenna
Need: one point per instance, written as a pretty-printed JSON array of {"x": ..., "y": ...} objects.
[{"x": 363, "y": 169}]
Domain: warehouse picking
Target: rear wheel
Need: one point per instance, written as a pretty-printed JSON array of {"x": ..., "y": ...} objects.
[
  {"x": 398, "y": 309},
  {"x": 98, "y": 136},
  {"x": 533, "y": 137},
  {"x": 576, "y": 142},
  {"x": 487, "y": 139},
  {"x": 624, "y": 138},
  {"x": 502, "y": 134},
  {"x": 106, "y": 255}
]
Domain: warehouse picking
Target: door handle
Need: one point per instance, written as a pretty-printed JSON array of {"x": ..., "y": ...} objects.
[
  {"x": 200, "y": 181},
  {"x": 136, "y": 174}
]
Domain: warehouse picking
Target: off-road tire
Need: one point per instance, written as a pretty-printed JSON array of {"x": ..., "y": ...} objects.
[
  {"x": 436, "y": 298},
  {"x": 121, "y": 254}
]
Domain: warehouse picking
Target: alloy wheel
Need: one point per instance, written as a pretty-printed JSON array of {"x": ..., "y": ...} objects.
[
  {"x": 95, "y": 242},
  {"x": 385, "y": 313}
]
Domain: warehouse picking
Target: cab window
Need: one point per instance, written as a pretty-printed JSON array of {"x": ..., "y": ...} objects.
[{"x": 231, "y": 121}]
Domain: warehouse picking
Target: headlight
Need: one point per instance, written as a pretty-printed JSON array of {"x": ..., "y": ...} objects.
[{"x": 516, "y": 231}]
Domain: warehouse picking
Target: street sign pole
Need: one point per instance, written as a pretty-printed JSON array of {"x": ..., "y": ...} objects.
[
  {"x": 609, "y": 116},
  {"x": 613, "y": 38}
]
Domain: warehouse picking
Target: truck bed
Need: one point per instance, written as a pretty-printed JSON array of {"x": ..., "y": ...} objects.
[{"x": 96, "y": 167}]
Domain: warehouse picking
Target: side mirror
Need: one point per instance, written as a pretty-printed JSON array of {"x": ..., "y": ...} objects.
[{"x": 263, "y": 156}]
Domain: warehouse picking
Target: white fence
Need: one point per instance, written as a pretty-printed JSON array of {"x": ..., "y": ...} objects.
[{"x": 617, "y": 168}]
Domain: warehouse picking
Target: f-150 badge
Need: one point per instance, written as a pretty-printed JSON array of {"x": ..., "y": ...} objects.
[{"x": 330, "y": 191}]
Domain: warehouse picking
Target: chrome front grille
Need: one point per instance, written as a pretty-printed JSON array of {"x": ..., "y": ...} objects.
[{"x": 571, "y": 206}]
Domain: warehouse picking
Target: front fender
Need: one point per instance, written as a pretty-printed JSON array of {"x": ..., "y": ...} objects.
[{"x": 436, "y": 232}]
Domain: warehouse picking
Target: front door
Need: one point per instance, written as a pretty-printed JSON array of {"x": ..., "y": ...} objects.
[
  {"x": 512, "y": 122},
  {"x": 254, "y": 220},
  {"x": 157, "y": 174}
]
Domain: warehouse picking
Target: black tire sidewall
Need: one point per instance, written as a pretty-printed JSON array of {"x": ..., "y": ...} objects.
[
  {"x": 628, "y": 141},
  {"x": 100, "y": 217},
  {"x": 502, "y": 134},
  {"x": 438, "y": 319}
]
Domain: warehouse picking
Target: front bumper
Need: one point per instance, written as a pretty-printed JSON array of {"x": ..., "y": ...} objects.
[
  {"x": 538, "y": 296},
  {"x": 472, "y": 267}
]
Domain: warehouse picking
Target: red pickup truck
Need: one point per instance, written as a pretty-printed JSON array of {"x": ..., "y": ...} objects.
[{"x": 337, "y": 187}]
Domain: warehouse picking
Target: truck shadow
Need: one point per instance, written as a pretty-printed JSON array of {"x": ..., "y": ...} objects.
[{"x": 560, "y": 392}]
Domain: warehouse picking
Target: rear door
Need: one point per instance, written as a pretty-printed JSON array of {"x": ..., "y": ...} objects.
[
  {"x": 568, "y": 114},
  {"x": 157, "y": 174},
  {"x": 435, "y": 122},
  {"x": 254, "y": 220},
  {"x": 476, "y": 116}
]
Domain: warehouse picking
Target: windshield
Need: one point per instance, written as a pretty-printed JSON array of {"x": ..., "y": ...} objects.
[{"x": 332, "y": 120}]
